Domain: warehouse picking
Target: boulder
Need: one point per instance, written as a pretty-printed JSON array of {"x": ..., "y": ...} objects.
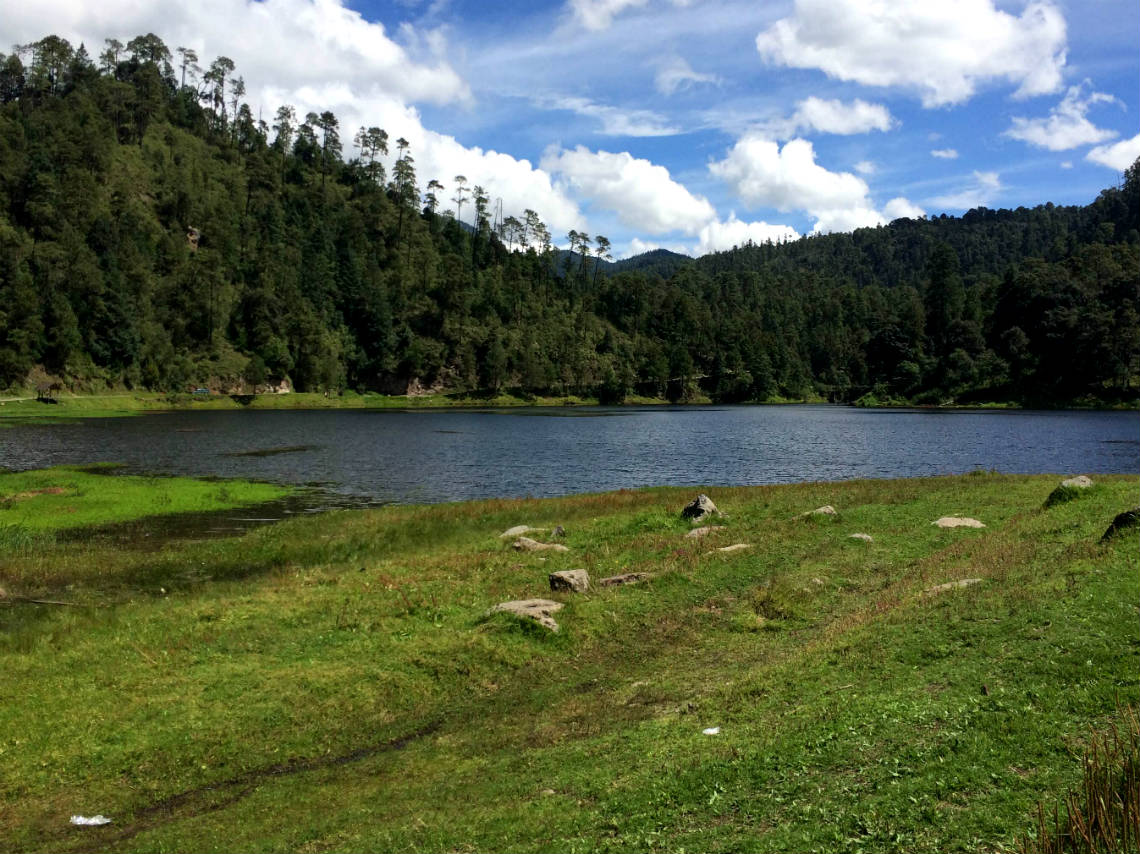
[
  {"x": 950, "y": 585},
  {"x": 626, "y": 578},
  {"x": 539, "y": 610},
  {"x": 825, "y": 510},
  {"x": 1079, "y": 482},
  {"x": 698, "y": 508},
  {"x": 1129, "y": 520},
  {"x": 574, "y": 580},
  {"x": 957, "y": 522},
  {"x": 867, "y": 538},
  {"x": 701, "y": 532},
  {"x": 735, "y": 547},
  {"x": 558, "y": 533},
  {"x": 526, "y": 544},
  {"x": 518, "y": 531}
]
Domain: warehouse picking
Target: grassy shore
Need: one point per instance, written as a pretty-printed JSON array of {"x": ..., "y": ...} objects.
[{"x": 334, "y": 683}]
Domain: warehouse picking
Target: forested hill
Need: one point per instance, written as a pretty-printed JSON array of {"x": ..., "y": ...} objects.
[{"x": 154, "y": 233}]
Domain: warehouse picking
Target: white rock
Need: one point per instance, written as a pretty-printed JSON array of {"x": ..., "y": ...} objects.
[
  {"x": 712, "y": 730},
  {"x": 574, "y": 580},
  {"x": 518, "y": 531},
  {"x": 539, "y": 610},
  {"x": 957, "y": 522},
  {"x": 825, "y": 510},
  {"x": 526, "y": 544},
  {"x": 864, "y": 537},
  {"x": 1079, "y": 482},
  {"x": 735, "y": 547},
  {"x": 951, "y": 585},
  {"x": 701, "y": 532}
]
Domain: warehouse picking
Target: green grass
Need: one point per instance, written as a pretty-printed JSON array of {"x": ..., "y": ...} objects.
[
  {"x": 55, "y": 499},
  {"x": 333, "y": 683}
]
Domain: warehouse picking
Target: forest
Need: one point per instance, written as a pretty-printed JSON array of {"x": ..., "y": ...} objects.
[{"x": 155, "y": 234}]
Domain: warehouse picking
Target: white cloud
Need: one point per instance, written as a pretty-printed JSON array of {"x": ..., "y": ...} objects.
[
  {"x": 1066, "y": 164},
  {"x": 316, "y": 55},
  {"x": 865, "y": 167},
  {"x": 642, "y": 194},
  {"x": 719, "y": 235},
  {"x": 762, "y": 174},
  {"x": 616, "y": 121},
  {"x": 637, "y": 246},
  {"x": 1118, "y": 156},
  {"x": 831, "y": 116},
  {"x": 900, "y": 208},
  {"x": 945, "y": 153},
  {"x": 677, "y": 74},
  {"x": 944, "y": 50},
  {"x": 599, "y": 14},
  {"x": 1066, "y": 126},
  {"x": 978, "y": 193}
]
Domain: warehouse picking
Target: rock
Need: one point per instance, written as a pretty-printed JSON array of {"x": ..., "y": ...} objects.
[
  {"x": 735, "y": 547},
  {"x": 518, "y": 531},
  {"x": 539, "y": 610},
  {"x": 825, "y": 510},
  {"x": 1079, "y": 482},
  {"x": 559, "y": 532},
  {"x": 957, "y": 522},
  {"x": 626, "y": 578},
  {"x": 1126, "y": 521},
  {"x": 700, "y": 532},
  {"x": 864, "y": 537},
  {"x": 951, "y": 585},
  {"x": 818, "y": 582},
  {"x": 698, "y": 508},
  {"x": 574, "y": 580},
  {"x": 526, "y": 544}
]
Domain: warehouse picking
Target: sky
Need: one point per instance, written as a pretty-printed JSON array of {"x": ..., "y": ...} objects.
[{"x": 691, "y": 125}]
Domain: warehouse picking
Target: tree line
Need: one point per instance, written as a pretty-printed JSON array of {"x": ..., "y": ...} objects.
[{"x": 155, "y": 233}]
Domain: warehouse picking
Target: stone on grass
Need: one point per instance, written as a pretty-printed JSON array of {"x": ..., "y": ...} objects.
[
  {"x": 1129, "y": 520},
  {"x": 957, "y": 522},
  {"x": 1079, "y": 482},
  {"x": 864, "y": 537},
  {"x": 626, "y": 578},
  {"x": 539, "y": 610},
  {"x": 735, "y": 547},
  {"x": 574, "y": 580},
  {"x": 518, "y": 531},
  {"x": 526, "y": 544},
  {"x": 951, "y": 585},
  {"x": 698, "y": 508},
  {"x": 701, "y": 532},
  {"x": 825, "y": 510}
]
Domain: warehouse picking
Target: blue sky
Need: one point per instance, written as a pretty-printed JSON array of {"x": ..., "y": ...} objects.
[{"x": 691, "y": 124}]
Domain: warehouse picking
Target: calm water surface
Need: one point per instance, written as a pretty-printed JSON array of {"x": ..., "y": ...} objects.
[{"x": 432, "y": 456}]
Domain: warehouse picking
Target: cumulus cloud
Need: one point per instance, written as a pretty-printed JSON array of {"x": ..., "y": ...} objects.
[
  {"x": 616, "y": 121},
  {"x": 1066, "y": 125},
  {"x": 944, "y": 50},
  {"x": 832, "y": 116},
  {"x": 865, "y": 167},
  {"x": 718, "y": 235},
  {"x": 676, "y": 74},
  {"x": 981, "y": 190},
  {"x": 1118, "y": 156},
  {"x": 945, "y": 153},
  {"x": 637, "y": 246},
  {"x": 599, "y": 14},
  {"x": 900, "y": 208},
  {"x": 642, "y": 194},
  {"x": 317, "y": 55}
]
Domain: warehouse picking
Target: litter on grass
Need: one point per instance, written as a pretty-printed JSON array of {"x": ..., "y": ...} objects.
[
  {"x": 93, "y": 820},
  {"x": 713, "y": 730}
]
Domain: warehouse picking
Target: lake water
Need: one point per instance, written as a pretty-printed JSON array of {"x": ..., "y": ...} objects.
[{"x": 450, "y": 455}]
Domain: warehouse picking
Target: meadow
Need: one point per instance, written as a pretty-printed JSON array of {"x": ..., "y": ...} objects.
[{"x": 335, "y": 682}]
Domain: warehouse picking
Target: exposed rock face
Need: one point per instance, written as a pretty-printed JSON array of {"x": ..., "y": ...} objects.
[
  {"x": 825, "y": 510},
  {"x": 526, "y": 544},
  {"x": 951, "y": 585},
  {"x": 627, "y": 578},
  {"x": 1129, "y": 520},
  {"x": 867, "y": 538},
  {"x": 701, "y": 532},
  {"x": 957, "y": 522},
  {"x": 574, "y": 580},
  {"x": 539, "y": 610},
  {"x": 698, "y": 508},
  {"x": 1079, "y": 482}
]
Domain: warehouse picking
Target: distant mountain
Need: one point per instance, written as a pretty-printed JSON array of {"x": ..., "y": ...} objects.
[{"x": 660, "y": 261}]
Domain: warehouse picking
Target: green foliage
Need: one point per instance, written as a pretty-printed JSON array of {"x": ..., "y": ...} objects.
[{"x": 168, "y": 224}]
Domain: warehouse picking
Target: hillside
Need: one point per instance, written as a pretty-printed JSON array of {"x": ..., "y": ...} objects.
[{"x": 155, "y": 234}]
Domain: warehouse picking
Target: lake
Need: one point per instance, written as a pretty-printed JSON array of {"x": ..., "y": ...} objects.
[{"x": 451, "y": 455}]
